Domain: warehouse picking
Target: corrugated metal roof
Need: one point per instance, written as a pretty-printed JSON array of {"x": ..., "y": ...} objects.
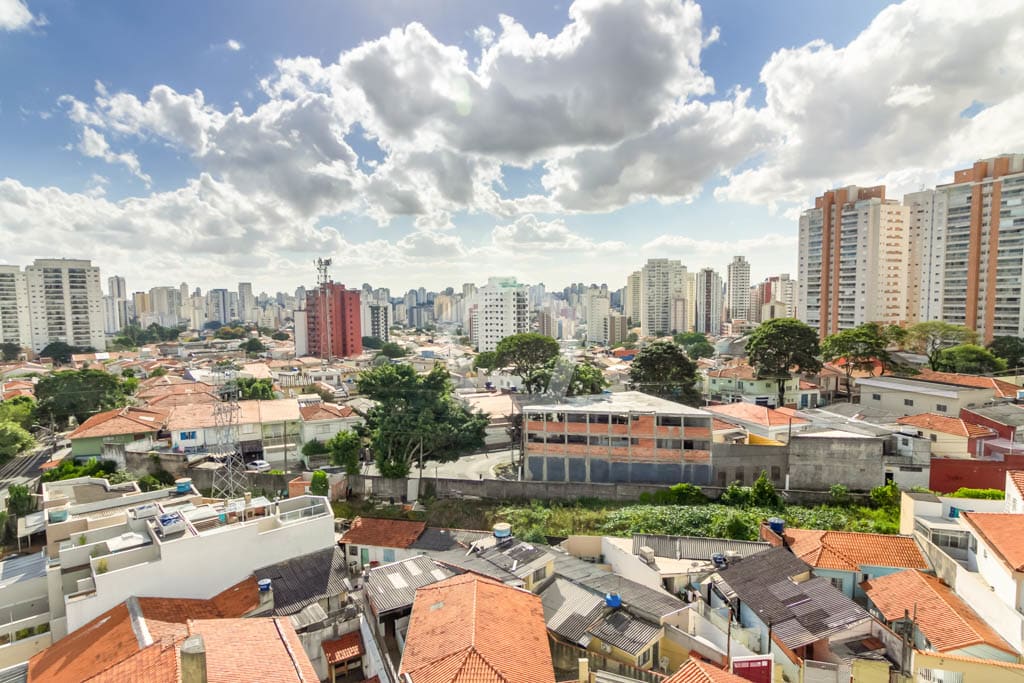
[
  {"x": 17, "y": 673},
  {"x": 649, "y": 602},
  {"x": 569, "y": 610},
  {"x": 393, "y": 586},
  {"x": 305, "y": 580},
  {"x": 22, "y": 568},
  {"x": 625, "y": 631},
  {"x": 695, "y": 548}
]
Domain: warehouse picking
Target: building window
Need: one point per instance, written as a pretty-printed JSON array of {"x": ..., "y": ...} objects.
[
  {"x": 876, "y": 397},
  {"x": 353, "y": 550},
  {"x": 739, "y": 475},
  {"x": 940, "y": 407},
  {"x": 838, "y": 583},
  {"x": 670, "y": 444},
  {"x": 670, "y": 421},
  {"x": 540, "y": 574},
  {"x": 776, "y": 473},
  {"x": 934, "y": 438},
  {"x": 187, "y": 436},
  {"x": 389, "y": 554},
  {"x": 908, "y": 401},
  {"x": 644, "y": 657}
]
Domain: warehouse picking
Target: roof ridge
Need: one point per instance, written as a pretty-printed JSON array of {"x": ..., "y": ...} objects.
[{"x": 978, "y": 638}]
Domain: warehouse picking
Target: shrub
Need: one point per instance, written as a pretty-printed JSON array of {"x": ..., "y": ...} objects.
[
  {"x": 839, "y": 494},
  {"x": 886, "y": 496},
  {"x": 736, "y": 495},
  {"x": 986, "y": 494},
  {"x": 763, "y": 494},
  {"x": 318, "y": 486},
  {"x": 314, "y": 447}
]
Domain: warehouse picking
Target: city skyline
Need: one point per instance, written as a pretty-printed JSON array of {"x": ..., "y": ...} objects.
[{"x": 241, "y": 153}]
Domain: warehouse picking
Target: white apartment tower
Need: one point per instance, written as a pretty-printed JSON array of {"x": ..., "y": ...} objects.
[
  {"x": 662, "y": 281},
  {"x": 15, "y": 320},
  {"x": 246, "y": 303},
  {"x": 631, "y": 302},
  {"x": 737, "y": 302},
  {"x": 597, "y": 307},
  {"x": 709, "y": 302},
  {"x": 65, "y": 302},
  {"x": 502, "y": 310},
  {"x": 926, "y": 257},
  {"x": 853, "y": 260}
]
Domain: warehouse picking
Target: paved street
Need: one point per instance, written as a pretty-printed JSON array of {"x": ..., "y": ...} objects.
[{"x": 23, "y": 468}]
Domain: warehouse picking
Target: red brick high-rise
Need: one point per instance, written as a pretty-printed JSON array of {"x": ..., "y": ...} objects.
[{"x": 332, "y": 321}]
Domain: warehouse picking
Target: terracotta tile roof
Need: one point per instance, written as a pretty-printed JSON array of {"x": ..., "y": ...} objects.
[
  {"x": 385, "y": 533},
  {"x": 696, "y": 671},
  {"x": 762, "y": 415},
  {"x": 974, "y": 660},
  {"x": 130, "y": 420},
  {"x": 851, "y": 551},
  {"x": 349, "y": 646},
  {"x": 945, "y": 620},
  {"x": 721, "y": 425},
  {"x": 95, "y": 647},
  {"x": 734, "y": 372},
  {"x": 1003, "y": 532},
  {"x": 201, "y": 415},
  {"x": 1016, "y": 479},
  {"x": 946, "y": 425},
  {"x": 157, "y": 663},
  {"x": 182, "y": 387},
  {"x": 167, "y": 401},
  {"x": 999, "y": 388},
  {"x": 242, "y": 650},
  {"x": 461, "y": 629},
  {"x": 324, "y": 411}
]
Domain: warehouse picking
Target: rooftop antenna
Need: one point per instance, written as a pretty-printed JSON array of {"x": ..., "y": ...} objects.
[
  {"x": 229, "y": 480},
  {"x": 323, "y": 278}
]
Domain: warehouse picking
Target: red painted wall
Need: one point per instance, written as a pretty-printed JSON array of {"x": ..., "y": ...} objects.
[
  {"x": 949, "y": 474},
  {"x": 1004, "y": 431}
]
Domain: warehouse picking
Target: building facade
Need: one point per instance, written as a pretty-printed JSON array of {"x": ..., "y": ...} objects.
[
  {"x": 65, "y": 303},
  {"x": 597, "y": 308},
  {"x": 502, "y": 311},
  {"x": 332, "y": 322},
  {"x": 709, "y": 302},
  {"x": 661, "y": 281},
  {"x": 15, "y": 321},
  {"x": 737, "y": 300}
]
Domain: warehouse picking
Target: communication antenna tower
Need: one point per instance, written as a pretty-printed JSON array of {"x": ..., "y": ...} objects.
[
  {"x": 322, "y": 280},
  {"x": 229, "y": 480}
]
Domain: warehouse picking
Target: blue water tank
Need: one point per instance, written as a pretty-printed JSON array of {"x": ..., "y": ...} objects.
[
  {"x": 263, "y": 585},
  {"x": 183, "y": 485},
  {"x": 777, "y": 524},
  {"x": 613, "y": 600}
]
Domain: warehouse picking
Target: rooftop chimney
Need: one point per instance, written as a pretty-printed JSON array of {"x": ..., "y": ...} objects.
[{"x": 193, "y": 660}]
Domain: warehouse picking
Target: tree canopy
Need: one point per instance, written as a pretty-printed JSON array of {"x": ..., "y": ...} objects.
[
  {"x": 78, "y": 394},
  {"x": 318, "y": 485},
  {"x": 526, "y": 353},
  {"x": 586, "y": 378},
  {"x": 253, "y": 345},
  {"x": 229, "y": 332},
  {"x": 392, "y": 350},
  {"x": 251, "y": 388},
  {"x": 486, "y": 360},
  {"x": 663, "y": 369},
  {"x": 280, "y": 336},
  {"x": 858, "y": 348},
  {"x": 969, "y": 359},
  {"x": 20, "y": 410},
  {"x": 344, "y": 449},
  {"x": 416, "y": 417},
  {"x": 20, "y": 501},
  {"x": 372, "y": 342},
  {"x": 133, "y": 336},
  {"x": 9, "y": 351},
  {"x": 1010, "y": 349},
  {"x": 13, "y": 440},
  {"x": 933, "y": 336},
  {"x": 778, "y": 347},
  {"x": 61, "y": 352}
]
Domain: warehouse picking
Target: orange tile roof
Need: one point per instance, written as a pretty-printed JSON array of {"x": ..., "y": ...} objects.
[
  {"x": 734, "y": 372},
  {"x": 721, "y": 425},
  {"x": 999, "y": 388},
  {"x": 242, "y": 650},
  {"x": 762, "y": 415},
  {"x": 324, "y": 411},
  {"x": 696, "y": 671},
  {"x": 385, "y": 533},
  {"x": 973, "y": 660},
  {"x": 168, "y": 401},
  {"x": 1003, "y": 532},
  {"x": 461, "y": 629},
  {"x": 349, "y": 646},
  {"x": 946, "y": 425},
  {"x": 850, "y": 550},
  {"x": 130, "y": 420},
  {"x": 1016, "y": 479},
  {"x": 946, "y": 621}
]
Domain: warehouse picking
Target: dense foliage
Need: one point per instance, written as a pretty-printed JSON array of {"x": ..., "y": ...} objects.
[
  {"x": 314, "y": 447},
  {"x": 14, "y": 439},
  {"x": 251, "y": 388},
  {"x": 372, "y": 342},
  {"x": 9, "y": 351},
  {"x": 970, "y": 359},
  {"x": 133, "y": 336},
  {"x": 780, "y": 347},
  {"x": 1010, "y": 349},
  {"x": 525, "y": 355},
  {"x": 695, "y": 344},
  {"x": 986, "y": 494},
  {"x": 586, "y": 378},
  {"x": 21, "y": 410},
  {"x": 253, "y": 346},
  {"x": 344, "y": 449},
  {"x": 280, "y": 336},
  {"x": 61, "y": 353},
  {"x": 79, "y": 394},
  {"x": 931, "y": 337},
  {"x": 392, "y": 350},
  {"x": 318, "y": 485},
  {"x": 858, "y": 348},
  {"x": 486, "y": 360},
  {"x": 20, "y": 501},
  {"x": 663, "y": 369},
  {"x": 229, "y": 332},
  {"x": 67, "y": 469}
]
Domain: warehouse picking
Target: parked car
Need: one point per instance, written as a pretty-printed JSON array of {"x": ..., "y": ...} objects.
[{"x": 258, "y": 466}]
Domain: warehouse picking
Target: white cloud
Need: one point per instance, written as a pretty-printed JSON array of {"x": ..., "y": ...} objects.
[
  {"x": 483, "y": 35},
  {"x": 534, "y": 235},
  {"x": 94, "y": 145},
  {"x": 233, "y": 45},
  {"x": 15, "y": 16}
]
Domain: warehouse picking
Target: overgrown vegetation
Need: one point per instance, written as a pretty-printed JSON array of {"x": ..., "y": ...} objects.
[
  {"x": 106, "y": 469},
  {"x": 987, "y": 494}
]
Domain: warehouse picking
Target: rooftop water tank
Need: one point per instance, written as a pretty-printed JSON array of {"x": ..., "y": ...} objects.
[
  {"x": 613, "y": 600},
  {"x": 183, "y": 485},
  {"x": 777, "y": 524},
  {"x": 263, "y": 585},
  {"x": 502, "y": 530}
]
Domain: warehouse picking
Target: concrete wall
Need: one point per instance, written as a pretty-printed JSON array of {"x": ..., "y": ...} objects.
[
  {"x": 817, "y": 463},
  {"x": 744, "y": 463},
  {"x": 202, "y": 479}
]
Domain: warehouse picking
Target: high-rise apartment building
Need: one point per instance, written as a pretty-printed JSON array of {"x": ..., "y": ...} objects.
[
  {"x": 218, "y": 306},
  {"x": 65, "y": 303},
  {"x": 15, "y": 319},
  {"x": 502, "y": 310},
  {"x": 332, "y": 322},
  {"x": 631, "y": 303},
  {"x": 379, "y": 322},
  {"x": 775, "y": 289},
  {"x": 546, "y": 323},
  {"x": 853, "y": 260},
  {"x": 737, "y": 300},
  {"x": 597, "y": 307},
  {"x": 661, "y": 281},
  {"x": 709, "y": 302},
  {"x": 247, "y": 310},
  {"x": 618, "y": 329}
]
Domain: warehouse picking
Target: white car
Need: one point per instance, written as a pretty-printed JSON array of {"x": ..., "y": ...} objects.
[{"x": 258, "y": 466}]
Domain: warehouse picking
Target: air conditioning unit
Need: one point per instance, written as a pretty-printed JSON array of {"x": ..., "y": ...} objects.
[
  {"x": 145, "y": 511},
  {"x": 647, "y": 554}
]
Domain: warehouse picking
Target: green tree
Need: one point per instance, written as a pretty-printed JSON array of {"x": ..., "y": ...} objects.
[
  {"x": 392, "y": 350},
  {"x": 130, "y": 385},
  {"x": 969, "y": 359},
  {"x": 700, "y": 349},
  {"x": 344, "y": 449},
  {"x": 280, "y": 336},
  {"x": 20, "y": 410},
  {"x": 779, "y": 347},
  {"x": 372, "y": 342},
  {"x": 251, "y": 388},
  {"x": 632, "y": 337},
  {"x": 253, "y": 346},
  {"x": 1010, "y": 349},
  {"x": 586, "y": 379},
  {"x": 61, "y": 353},
  {"x": 858, "y": 348},
  {"x": 763, "y": 493},
  {"x": 886, "y": 496},
  {"x": 20, "y": 501},
  {"x": 416, "y": 417},
  {"x": 931, "y": 337},
  {"x": 485, "y": 360},
  {"x": 318, "y": 485},
  {"x": 684, "y": 339},
  {"x": 79, "y": 394},
  {"x": 9, "y": 351},
  {"x": 229, "y": 332},
  {"x": 158, "y": 372},
  {"x": 314, "y": 447},
  {"x": 663, "y": 369},
  {"x": 13, "y": 440},
  {"x": 526, "y": 353}
]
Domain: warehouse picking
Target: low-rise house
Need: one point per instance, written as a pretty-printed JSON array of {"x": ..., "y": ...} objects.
[
  {"x": 464, "y": 623},
  {"x": 622, "y": 437},
  {"x": 1000, "y": 390},
  {"x": 121, "y": 425},
  {"x": 1007, "y": 419},
  {"x": 847, "y": 558},
  {"x": 1014, "y": 488},
  {"x": 371, "y": 541},
  {"x": 697, "y": 671},
  {"x": 762, "y": 421},
  {"x": 321, "y": 421},
  {"x": 15, "y": 388},
  {"x": 195, "y": 427},
  {"x": 935, "y": 616},
  {"x": 390, "y": 589},
  {"x": 951, "y": 437},
  {"x": 900, "y": 396},
  {"x": 740, "y": 383}
]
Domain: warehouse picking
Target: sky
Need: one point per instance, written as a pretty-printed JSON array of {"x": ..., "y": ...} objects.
[{"x": 437, "y": 142}]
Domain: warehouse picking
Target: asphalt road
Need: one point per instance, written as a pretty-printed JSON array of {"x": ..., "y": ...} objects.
[{"x": 25, "y": 467}]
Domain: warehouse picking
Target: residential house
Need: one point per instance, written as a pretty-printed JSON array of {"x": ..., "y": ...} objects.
[
  {"x": 900, "y": 396},
  {"x": 848, "y": 558},
  {"x": 281, "y": 424},
  {"x": 321, "y": 421},
  {"x": 390, "y": 589},
  {"x": 196, "y": 427},
  {"x": 951, "y": 437},
  {"x": 371, "y": 541},
  {"x": 622, "y": 437},
  {"x": 16, "y": 387},
  {"x": 740, "y": 383},
  {"x": 997, "y": 553},
  {"x": 698, "y": 671},
  {"x": 1014, "y": 488},
  {"x": 761, "y": 421},
  {"x": 936, "y": 617},
  {"x": 465, "y": 623},
  {"x": 1000, "y": 390},
  {"x": 1006, "y": 419},
  {"x": 23, "y": 601},
  {"x": 121, "y": 425}
]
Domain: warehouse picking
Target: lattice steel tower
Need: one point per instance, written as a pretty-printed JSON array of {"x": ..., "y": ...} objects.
[{"x": 229, "y": 481}]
